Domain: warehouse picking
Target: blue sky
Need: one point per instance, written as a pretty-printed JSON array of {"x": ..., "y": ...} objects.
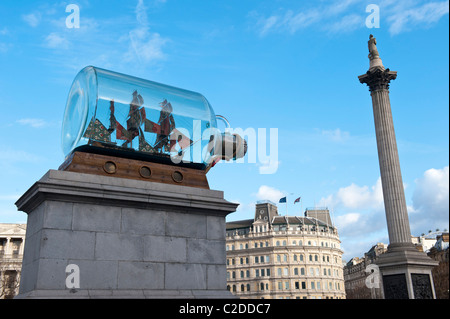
[{"x": 290, "y": 65}]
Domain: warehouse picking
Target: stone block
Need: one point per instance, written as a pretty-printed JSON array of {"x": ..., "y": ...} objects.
[
  {"x": 66, "y": 244},
  {"x": 32, "y": 248},
  {"x": 143, "y": 221},
  {"x": 58, "y": 215},
  {"x": 99, "y": 218},
  {"x": 185, "y": 276},
  {"x": 216, "y": 227},
  {"x": 186, "y": 225},
  {"x": 216, "y": 277},
  {"x": 206, "y": 251},
  {"x": 52, "y": 274},
  {"x": 165, "y": 249},
  {"x": 140, "y": 275},
  {"x": 97, "y": 274},
  {"x": 113, "y": 246}
]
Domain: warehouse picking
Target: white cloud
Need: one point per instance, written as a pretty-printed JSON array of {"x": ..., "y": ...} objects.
[
  {"x": 56, "y": 41},
  {"x": 4, "y": 47},
  {"x": 35, "y": 123},
  {"x": 348, "y": 23},
  {"x": 345, "y": 16},
  {"x": 321, "y": 16},
  {"x": 269, "y": 193},
  {"x": 336, "y": 135},
  {"x": 431, "y": 200},
  {"x": 12, "y": 197},
  {"x": 346, "y": 220},
  {"x": 356, "y": 197},
  {"x": 144, "y": 45},
  {"x": 32, "y": 19},
  {"x": 404, "y": 18}
]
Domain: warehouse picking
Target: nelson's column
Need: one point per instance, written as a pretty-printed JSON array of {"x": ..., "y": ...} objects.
[{"x": 406, "y": 272}]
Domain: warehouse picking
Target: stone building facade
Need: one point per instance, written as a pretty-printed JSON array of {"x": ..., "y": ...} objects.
[
  {"x": 284, "y": 257},
  {"x": 356, "y": 272},
  {"x": 12, "y": 238}
]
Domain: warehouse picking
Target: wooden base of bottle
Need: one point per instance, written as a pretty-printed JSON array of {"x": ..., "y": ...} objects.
[{"x": 105, "y": 165}]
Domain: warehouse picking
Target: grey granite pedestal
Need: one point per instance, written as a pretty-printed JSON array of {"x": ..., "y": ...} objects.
[{"x": 126, "y": 238}]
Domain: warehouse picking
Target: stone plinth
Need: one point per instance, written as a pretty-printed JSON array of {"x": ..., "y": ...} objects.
[
  {"x": 128, "y": 238},
  {"x": 406, "y": 273}
]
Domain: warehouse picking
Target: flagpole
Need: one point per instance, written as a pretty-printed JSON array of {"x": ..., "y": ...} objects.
[{"x": 301, "y": 206}]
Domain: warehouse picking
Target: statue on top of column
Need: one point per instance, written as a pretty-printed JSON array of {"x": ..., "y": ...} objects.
[
  {"x": 374, "y": 56},
  {"x": 373, "y": 52}
]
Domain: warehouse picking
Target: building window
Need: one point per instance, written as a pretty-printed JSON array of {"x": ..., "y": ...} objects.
[{"x": 302, "y": 271}]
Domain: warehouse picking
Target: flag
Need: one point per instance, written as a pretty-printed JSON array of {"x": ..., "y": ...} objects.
[
  {"x": 282, "y": 200},
  {"x": 297, "y": 200}
]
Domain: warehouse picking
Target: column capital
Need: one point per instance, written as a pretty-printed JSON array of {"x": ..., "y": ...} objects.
[{"x": 378, "y": 78}]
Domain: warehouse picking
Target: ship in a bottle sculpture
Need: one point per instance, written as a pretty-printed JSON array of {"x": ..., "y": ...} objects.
[{"x": 119, "y": 125}]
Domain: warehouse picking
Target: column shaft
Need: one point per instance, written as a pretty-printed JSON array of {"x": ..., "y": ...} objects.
[{"x": 391, "y": 177}]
